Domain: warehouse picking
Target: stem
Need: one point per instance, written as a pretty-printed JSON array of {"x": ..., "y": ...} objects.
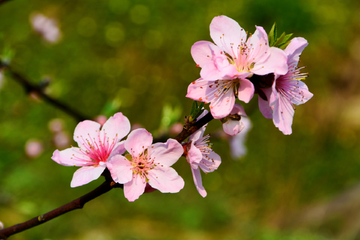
[
  {"x": 188, "y": 130},
  {"x": 76, "y": 204},
  {"x": 29, "y": 88}
]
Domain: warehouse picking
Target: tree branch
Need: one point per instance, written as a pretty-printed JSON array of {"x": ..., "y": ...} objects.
[
  {"x": 76, "y": 204},
  {"x": 29, "y": 88},
  {"x": 193, "y": 127}
]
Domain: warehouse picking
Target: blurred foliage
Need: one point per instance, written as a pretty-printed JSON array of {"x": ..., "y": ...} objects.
[{"x": 134, "y": 57}]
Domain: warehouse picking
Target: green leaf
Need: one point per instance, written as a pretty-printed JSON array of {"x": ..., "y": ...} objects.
[{"x": 272, "y": 35}]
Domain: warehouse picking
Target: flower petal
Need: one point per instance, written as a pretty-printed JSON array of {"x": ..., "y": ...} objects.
[
  {"x": 276, "y": 63},
  {"x": 233, "y": 127},
  {"x": 260, "y": 50},
  {"x": 71, "y": 157},
  {"x": 226, "y": 32},
  {"x": 211, "y": 163},
  {"x": 115, "y": 128},
  {"x": 264, "y": 105},
  {"x": 295, "y": 48},
  {"x": 134, "y": 188},
  {"x": 86, "y": 131},
  {"x": 194, "y": 155},
  {"x": 283, "y": 115},
  {"x": 85, "y": 175},
  {"x": 120, "y": 169},
  {"x": 166, "y": 153},
  {"x": 202, "y": 52},
  {"x": 246, "y": 90},
  {"x": 118, "y": 149},
  {"x": 165, "y": 179},
  {"x": 137, "y": 141},
  {"x": 198, "y": 182}
]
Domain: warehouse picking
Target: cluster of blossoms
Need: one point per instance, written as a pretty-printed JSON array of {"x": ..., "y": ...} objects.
[
  {"x": 135, "y": 162},
  {"x": 236, "y": 66}
]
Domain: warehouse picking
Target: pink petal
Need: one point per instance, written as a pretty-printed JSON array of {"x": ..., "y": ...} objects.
[
  {"x": 71, "y": 157},
  {"x": 202, "y": 53},
  {"x": 283, "y": 115},
  {"x": 295, "y": 48},
  {"x": 198, "y": 90},
  {"x": 85, "y": 175},
  {"x": 264, "y": 106},
  {"x": 134, "y": 188},
  {"x": 86, "y": 130},
  {"x": 222, "y": 104},
  {"x": 194, "y": 155},
  {"x": 233, "y": 127},
  {"x": 246, "y": 90},
  {"x": 226, "y": 32},
  {"x": 137, "y": 141},
  {"x": 198, "y": 134},
  {"x": 198, "y": 182},
  {"x": 276, "y": 63},
  {"x": 115, "y": 128},
  {"x": 239, "y": 110},
  {"x": 118, "y": 149},
  {"x": 166, "y": 153},
  {"x": 260, "y": 49},
  {"x": 211, "y": 163},
  {"x": 120, "y": 169},
  {"x": 165, "y": 179}
]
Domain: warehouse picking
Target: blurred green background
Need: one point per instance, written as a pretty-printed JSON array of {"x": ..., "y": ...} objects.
[{"x": 134, "y": 56}]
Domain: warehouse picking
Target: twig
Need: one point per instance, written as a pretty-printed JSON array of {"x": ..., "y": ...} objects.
[
  {"x": 29, "y": 88},
  {"x": 76, "y": 204},
  {"x": 188, "y": 130}
]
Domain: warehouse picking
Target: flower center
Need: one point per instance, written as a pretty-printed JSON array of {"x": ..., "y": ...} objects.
[
  {"x": 204, "y": 145},
  {"x": 142, "y": 164},
  {"x": 98, "y": 148}
]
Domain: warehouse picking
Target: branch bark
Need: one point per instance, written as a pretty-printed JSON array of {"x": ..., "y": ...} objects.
[
  {"x": 29, "y": 88},
  {"x": 75, "y": 204}
]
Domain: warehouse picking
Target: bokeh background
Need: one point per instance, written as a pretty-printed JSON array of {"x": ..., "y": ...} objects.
[{"x": 134, "y": 56}]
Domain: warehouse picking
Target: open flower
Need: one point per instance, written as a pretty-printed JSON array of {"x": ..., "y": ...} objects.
[
  {"x": 95, "y": 148},
  {"x": 226, "y": 64},
  {"x": 232, "y": 124},
  {"x": 201, "y": 156},
  {"x": 287, "y": 90},
  {"x": 145, "y": 164}
]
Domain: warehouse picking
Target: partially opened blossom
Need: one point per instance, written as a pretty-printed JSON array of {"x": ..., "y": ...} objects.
[
  {"x": 201, "y": 156},
  {"x": 96, "y": 147},
  {"x": 287, "y": 90},
  {"x": 147, "y": 163},
  {"x": 226, "y": 65},
  {"x": 237, "y": 143},
  {"x": 233, "y": 123}
]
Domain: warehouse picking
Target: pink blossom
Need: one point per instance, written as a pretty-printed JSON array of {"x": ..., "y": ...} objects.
[
  {"x": 201, "y": 156},
  {"x": 147, "y": 163},
  {"x": 95, "y": 148},
  {"x": 33, "y": 148},
  {"x": 237, "y": 143},
  {"x": 46, "y": 27},
  {"x": 226, "y": 64},
  {"x": 233, "y": 124},
  {"x": 287, "y": 90}
]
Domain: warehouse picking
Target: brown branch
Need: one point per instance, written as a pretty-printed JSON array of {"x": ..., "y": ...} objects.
[
  {"x": 76, "y": 204},
  {"x": 193, "y": 127},
  {"x": 31, "y": 88}
]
